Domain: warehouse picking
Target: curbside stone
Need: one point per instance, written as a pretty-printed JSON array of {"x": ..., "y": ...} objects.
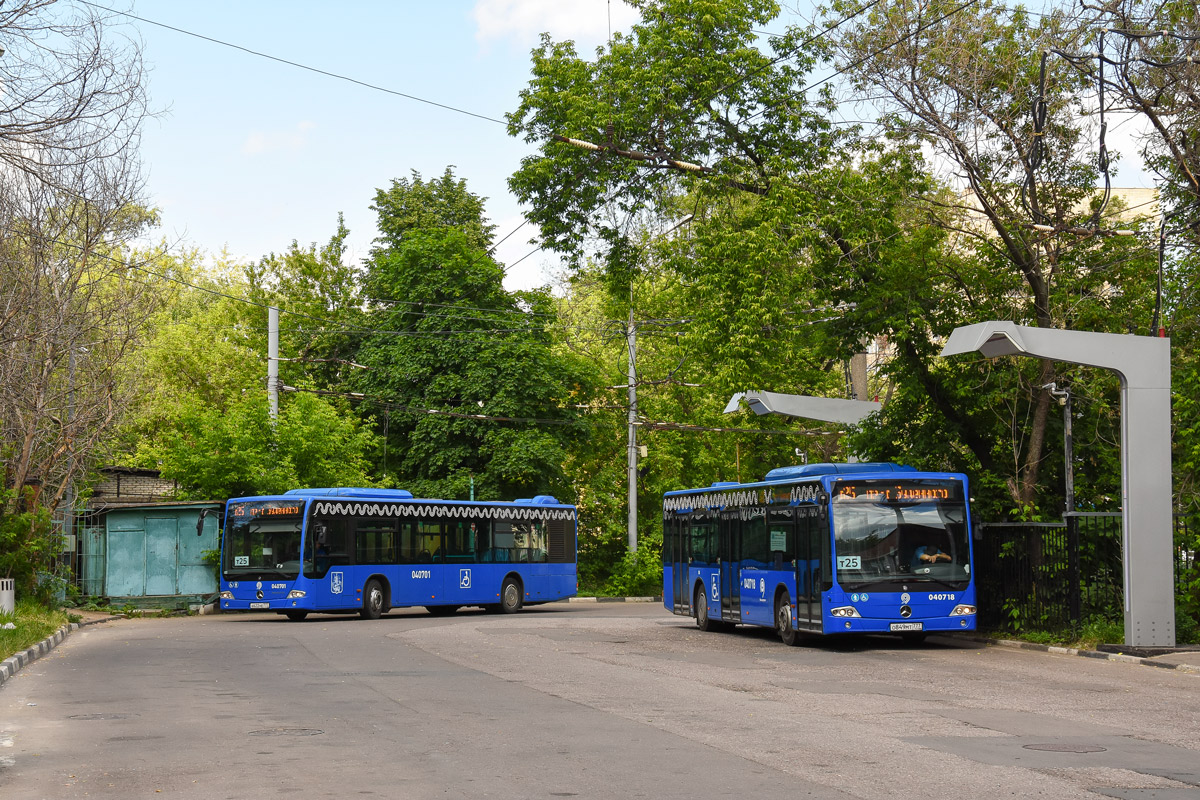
[
  {"x": 1071, "y": 651},
  {"x": 591, "y": 599}
]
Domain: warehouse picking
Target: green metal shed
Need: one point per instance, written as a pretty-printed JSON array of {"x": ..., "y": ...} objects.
[{"x": 150, "y": 550}]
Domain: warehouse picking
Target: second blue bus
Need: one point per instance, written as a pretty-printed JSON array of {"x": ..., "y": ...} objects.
[
  {"x": 367, "y": 551},
  {"x": 824, "y": 549}
]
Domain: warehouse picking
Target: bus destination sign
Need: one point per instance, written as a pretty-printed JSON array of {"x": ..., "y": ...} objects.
[{"x": 892, "y": 492}]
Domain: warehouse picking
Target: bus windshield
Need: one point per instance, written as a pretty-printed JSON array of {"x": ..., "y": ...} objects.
[
  {"x": 912, "y": 531},
  {"x": 262, "y": 540}
]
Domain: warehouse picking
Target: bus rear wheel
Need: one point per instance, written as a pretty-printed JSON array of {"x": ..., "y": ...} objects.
[
  {"x": 703, "y": 621},
  {"x": 783, "y": 621},
  {"x": 296, "y": 616},
  {"x": 372, "y": 607},
  {"x": 510, "y": 596}
]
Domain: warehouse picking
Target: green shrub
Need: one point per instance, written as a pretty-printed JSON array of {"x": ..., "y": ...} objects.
[
  {"x": 1187, "y": 623},
  {"x": 637, "y": 574},
  {"x": 34, "y": 622},
  {"x": 28, "y": 545}
]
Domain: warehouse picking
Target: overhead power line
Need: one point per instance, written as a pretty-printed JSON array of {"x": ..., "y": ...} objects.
[
  {"x": 296, "y": 64},
  {"x": 441, "y": 412}
]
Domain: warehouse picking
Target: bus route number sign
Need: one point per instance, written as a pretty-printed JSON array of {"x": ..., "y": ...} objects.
[{"x": 849, "y": 562}]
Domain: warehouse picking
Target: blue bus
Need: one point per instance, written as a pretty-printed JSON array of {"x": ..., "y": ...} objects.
[
  {"x": 368, "y": 551},
  {"x": 823, "y": 549}
]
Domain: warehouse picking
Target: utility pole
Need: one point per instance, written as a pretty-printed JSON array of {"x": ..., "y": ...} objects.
[
  {"x": 1064, "y": 399},
  {"x": 273, "y": 361},
  {"x": 632, "y": 457}
]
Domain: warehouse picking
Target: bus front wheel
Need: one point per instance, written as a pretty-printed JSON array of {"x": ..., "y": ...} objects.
[
  {"x": 510, "y": 596},
  {"x": 783, "y": 621},
  {"x": 703, "y": 621},
  {"x": 372, "y": 607},
  {"x": 296, "y": 616}
]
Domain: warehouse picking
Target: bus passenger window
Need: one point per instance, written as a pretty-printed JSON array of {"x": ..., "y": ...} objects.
[
  {"x": 503, "y": 542},
  {"x": 409, "y": 543},
  {"x": 756, "y": 551},
  {"x": 460, "y": 542},
  {"x": 328, "y": 550},
  {"x": 537, "y": 542}
]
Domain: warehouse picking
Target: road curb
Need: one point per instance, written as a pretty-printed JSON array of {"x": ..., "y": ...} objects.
[
  {"x": 14, "y": 663},
  {"x": 614, "y": 599},
  {"x": 1071, "y": 651}
]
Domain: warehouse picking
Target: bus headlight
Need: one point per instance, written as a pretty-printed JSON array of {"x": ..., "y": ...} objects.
[
  {"x": 294, "y": 593},
  {"x": 226, "y": 595},
  {"x": 963, "y": 611},
  {"x": 845, "y": 611}
]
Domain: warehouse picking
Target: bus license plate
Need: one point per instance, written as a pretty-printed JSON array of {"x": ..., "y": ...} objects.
[
  {"x": 260, "y": 605},
  {"x": 907, "y": 626}
]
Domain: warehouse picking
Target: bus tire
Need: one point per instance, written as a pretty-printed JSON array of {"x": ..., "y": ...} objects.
[
  {"x": 700, "y": 606},
  {"x": 510, "y": 596},
  {"x": 784, "y": 625},
  {"x": 373, "y": 600},
  {"x": 296, "y": 616},
  {"x": 441, "y": 611}
]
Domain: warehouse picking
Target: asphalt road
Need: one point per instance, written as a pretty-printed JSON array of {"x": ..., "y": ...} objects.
[{"x": 579, "y": 700}]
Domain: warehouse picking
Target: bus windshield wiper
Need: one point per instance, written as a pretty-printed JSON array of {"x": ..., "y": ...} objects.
[
  {"x": 859, "y": 586},
  {"x": 956, "y": 585}
]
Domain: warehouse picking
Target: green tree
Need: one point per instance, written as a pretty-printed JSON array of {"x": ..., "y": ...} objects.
[
  {"x": 320, "y": 299},
  {"x": 203, "y": 418},
  {"x": 464, "y": 374},
  {"x": 237, "y": 451},
  {"x": 962, "y": 82}
]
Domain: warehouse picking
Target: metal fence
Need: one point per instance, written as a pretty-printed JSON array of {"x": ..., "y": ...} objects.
[{"x": 1053, "y": 575}]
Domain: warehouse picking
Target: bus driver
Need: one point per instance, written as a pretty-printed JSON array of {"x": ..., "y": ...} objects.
[{"x": 929, "y": 554}]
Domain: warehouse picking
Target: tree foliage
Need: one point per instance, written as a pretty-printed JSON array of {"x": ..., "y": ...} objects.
[
  {"x": 469, "y": 385},
  {"x": 887, "y": 238},
  {"x": 73, "y": 304}
]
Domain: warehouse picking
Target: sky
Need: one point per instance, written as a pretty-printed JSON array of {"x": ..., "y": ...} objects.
[{"x": 248, "y": 154}]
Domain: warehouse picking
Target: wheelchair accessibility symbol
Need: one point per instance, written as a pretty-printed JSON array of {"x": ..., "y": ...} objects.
[
  {"x": 464, "y": 579},
  {"x": 716, "y": 589}
]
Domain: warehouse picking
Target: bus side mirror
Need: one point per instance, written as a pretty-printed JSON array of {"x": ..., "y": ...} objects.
[
  {"x": 204, "y": 512},
  {"x": 823, "y": 507}
]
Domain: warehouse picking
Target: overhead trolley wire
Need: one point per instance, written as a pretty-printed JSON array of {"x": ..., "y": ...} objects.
[{"x": 296, "y": 64}]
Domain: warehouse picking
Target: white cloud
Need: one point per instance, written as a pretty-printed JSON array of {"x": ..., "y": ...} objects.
[
  {"x": 287, "y": 141},
  {"x": 522, "y": 21}
]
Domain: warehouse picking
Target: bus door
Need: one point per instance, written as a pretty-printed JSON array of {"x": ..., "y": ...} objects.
[
  {"x": 729, "y": 557},
  {"x": 419, "y": 582},
  {"x": 699, "y": 553},
  {"x": 678, "y": 538},
  {"x": 809, "y": 568},
  {"x": 781, "y": 556}
]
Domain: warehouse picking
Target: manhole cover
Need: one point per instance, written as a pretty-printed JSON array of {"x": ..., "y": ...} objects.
[
  {"x": 287, "y": 732},
  {"x": 101, "y": 716},
  {"x": 1067, "y": 748}
]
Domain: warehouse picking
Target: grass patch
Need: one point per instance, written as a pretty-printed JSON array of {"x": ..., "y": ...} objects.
[{"x": 33, "y": 622}]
